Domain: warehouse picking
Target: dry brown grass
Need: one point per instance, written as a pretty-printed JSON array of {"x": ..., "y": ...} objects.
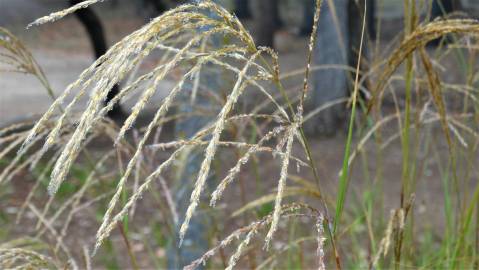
[{"x": 185, "y": 35}]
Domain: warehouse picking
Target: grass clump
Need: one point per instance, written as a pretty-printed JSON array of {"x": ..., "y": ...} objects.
[{"x": 358, "y": 236}]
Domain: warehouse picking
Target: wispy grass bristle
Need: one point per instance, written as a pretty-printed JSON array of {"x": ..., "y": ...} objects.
[{"x": 290, "y": 135}]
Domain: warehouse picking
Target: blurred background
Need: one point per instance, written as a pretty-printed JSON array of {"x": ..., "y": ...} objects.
[{"x": 63, "y": 48}]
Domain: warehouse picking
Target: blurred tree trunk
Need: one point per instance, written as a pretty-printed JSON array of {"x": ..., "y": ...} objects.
[
  {"x": 159, "y": 5},
  {"x": 355, "y": 24},
  {"x": 339, "y": 36},
  {"x": 94, "y": 29},
  {"x": 332, "y": 48},
  {"x": 443, "y": 7},
  {"x": 196, "y": 239},
  {"x": 371, "y": 18},
  {"x": 308, "y": 18},
  {"x": 195, "y": 242},
  {"x": 241, "y": 9},
  {"x": 267, "y": 22}
]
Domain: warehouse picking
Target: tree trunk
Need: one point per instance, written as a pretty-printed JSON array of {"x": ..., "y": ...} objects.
[
  {"x": 308, "y": 18},
  {"x": 195, "y": 242},
  {"x": 95, "y": 32},
  {"x": 371, "y": 19},
  {"x": 332, "y": 48},
  {"x": 443, "y": 7},
  {"x": 339, "y": 37},
  {"x": 267, "y": 22},
  {"x": 158, "y": 5},
  {"x": 241, "y": 9}
]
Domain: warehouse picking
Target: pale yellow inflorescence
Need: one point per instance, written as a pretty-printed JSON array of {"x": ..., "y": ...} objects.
[
  {"x": 124, "y": 57},
  {"x": 212, "y": 146},
  {"x": 281, "y": 183}
]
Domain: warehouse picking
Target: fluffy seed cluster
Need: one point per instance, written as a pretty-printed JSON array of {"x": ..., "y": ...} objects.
[{"x": 177, "y": 33}]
